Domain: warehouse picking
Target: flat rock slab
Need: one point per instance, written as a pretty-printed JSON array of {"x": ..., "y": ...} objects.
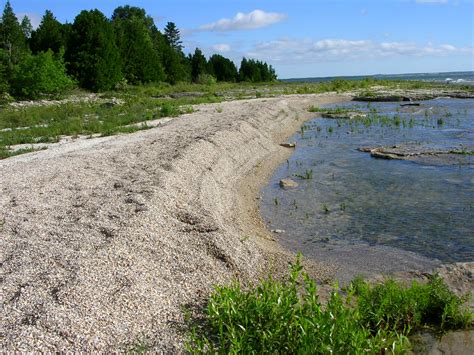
[
  {"x": 422, "y": 154},
  {"x": 344, "y": 115},
  {"x": 381, "y": 95}
]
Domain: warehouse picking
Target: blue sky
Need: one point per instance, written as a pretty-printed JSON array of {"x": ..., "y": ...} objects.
[{"x": 304, "y": 38}]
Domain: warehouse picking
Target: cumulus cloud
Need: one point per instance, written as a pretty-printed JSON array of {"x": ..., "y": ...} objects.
[
  {"x": 223, "y": 47},
  {"x": 290, "y": 50},
  {"x": 242, "y": 21}
]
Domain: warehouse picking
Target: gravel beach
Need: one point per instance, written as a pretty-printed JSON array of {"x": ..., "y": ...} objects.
[{"x": 104, "y": 240}]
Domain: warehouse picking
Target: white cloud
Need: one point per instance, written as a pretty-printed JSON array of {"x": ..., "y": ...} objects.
[
  {"x": 223, "y": 47},
  {"x": 242, "y": 21},
  {"x": 35, "y": 19},
  {"x": 291, "y": 51},
  {"x": 431, "y": 1}
]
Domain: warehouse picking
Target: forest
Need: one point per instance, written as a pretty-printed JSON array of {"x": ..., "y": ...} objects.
[{"x": 97, "y": 53}]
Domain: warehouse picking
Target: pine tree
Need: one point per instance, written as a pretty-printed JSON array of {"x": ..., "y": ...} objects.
[
  {"x": 198, "y": 64},
  {"x": 12, "y": 39},
  {"x": 50, "y": 34},
  {"x": 173, "y": 36},
  {"x": 26, "y": 27},
  {"x": 93, "y": 56}
]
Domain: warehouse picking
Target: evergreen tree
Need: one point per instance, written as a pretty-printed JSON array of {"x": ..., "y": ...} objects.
[
  {"x": 12, "y": 39},
  {"x": 26, "y": 27},
  {"x": 4, "y": 86},
  {"x": 256, "y": 71},
  {"x": 140, "y": 60},
  {"x": 173, "y": 36},
  {"x": 222, "y": 68},
  {"x": 198, "y": 64},
  {"x": 50, "y": 34},
  {"x": 177, "y": 66},
  {"x": 92, "y": 53}
]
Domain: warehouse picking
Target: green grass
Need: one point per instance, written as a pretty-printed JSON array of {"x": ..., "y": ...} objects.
[
  {"x": 152, "y": 101},
  {"x": 288, "y": 317}
]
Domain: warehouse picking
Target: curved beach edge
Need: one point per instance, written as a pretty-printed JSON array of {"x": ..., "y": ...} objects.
[{"x": 105, "y": 240}]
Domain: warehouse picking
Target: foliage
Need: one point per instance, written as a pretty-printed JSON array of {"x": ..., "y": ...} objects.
[
  {"x": 140, "y": 61},
  {"x": 391, "y": 306},
  {"x": 12, "y": 38},
  {"x": 198, "y": 64},
  {"x": 222, "y": 68},
  {"x": 92, "y": 54},
  {"x": 50, "y": 34},
  {"x": 256, "y": 71},
  {"x": 41, "y": 75},
  {"x": 173, "y": 37},
  {"x": 26, "y": 27},
  {"x": 288, "y": 317},
  {"x": 206, "y": 79}
]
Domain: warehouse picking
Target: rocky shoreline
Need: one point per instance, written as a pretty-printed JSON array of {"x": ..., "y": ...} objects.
[{"x": 104, "y": 241}]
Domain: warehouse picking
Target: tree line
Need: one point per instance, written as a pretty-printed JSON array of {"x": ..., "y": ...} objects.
[{"x": 99, "y": 53}]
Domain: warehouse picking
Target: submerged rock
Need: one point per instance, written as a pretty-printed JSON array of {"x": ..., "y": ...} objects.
[{"x": 288, "y": 184}]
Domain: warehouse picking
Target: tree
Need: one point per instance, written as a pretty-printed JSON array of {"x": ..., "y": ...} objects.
[
  {"x": 128, "y": 12},
  {"x": 140, "y": 60},
  {"x": 12, "y": 39},
  {"x": 256, "y": 71},
  {"x": 198, "y": 64},
  {"x": 50, "y": 34},
  {"x": 173, "y": 36},
  {"x": 92, "y": 53},
  {"x": 42, "y": 75},
  {"x": 222, "y": 68},
  {"x": 26, "y": 27}
]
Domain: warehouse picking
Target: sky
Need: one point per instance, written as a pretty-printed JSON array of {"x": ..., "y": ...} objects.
[{"x": 308, "y": 38}]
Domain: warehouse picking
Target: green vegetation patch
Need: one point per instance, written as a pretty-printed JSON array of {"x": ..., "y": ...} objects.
[{"x": 288, "y": 316}]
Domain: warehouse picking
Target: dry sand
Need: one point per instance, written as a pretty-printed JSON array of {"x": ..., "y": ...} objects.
[{"x": 104, "y": 240}]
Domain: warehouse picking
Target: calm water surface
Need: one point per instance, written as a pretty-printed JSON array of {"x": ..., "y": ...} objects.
[{"x": 355, "y": 202}]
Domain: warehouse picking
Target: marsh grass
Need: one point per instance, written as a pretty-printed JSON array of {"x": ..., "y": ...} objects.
[{"x": 288, "y": 317}]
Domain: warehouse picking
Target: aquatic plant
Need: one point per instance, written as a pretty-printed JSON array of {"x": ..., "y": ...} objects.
[
  {"x": 326, "y": 209},
  {"x": 307, "y": 175}
]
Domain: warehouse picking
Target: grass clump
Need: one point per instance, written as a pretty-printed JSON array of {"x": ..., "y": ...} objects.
[
  {"x": 288, "y": 317},
  {"x": 391, "y": 306}
]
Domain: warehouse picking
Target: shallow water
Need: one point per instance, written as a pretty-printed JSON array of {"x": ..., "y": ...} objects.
[{"x": 355, "y": 205}]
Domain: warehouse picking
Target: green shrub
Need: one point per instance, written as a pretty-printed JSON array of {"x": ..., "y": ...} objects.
[
  {"x": 41, "y": 75},
  {"x": 287, "y": 317},
  {"x": 206, "y": 79}
]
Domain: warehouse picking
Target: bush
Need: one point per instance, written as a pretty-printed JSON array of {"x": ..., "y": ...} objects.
[
  {"x": 287, "y": 317},
  {"x": 41, "y": 75},
  {"x": 206, "y": 79}
]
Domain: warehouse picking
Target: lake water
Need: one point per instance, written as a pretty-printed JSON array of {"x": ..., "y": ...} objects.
[{"x": 353, "y": 205}]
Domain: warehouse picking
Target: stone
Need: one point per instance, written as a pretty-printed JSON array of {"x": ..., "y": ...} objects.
[
  {"x": 288, "y": 145},
  {"x": 277, "y": 231},
  {"x": 288, "y": 184}
]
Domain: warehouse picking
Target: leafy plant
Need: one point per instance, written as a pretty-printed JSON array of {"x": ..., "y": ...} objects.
[{"x": 288, "y": 317}]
